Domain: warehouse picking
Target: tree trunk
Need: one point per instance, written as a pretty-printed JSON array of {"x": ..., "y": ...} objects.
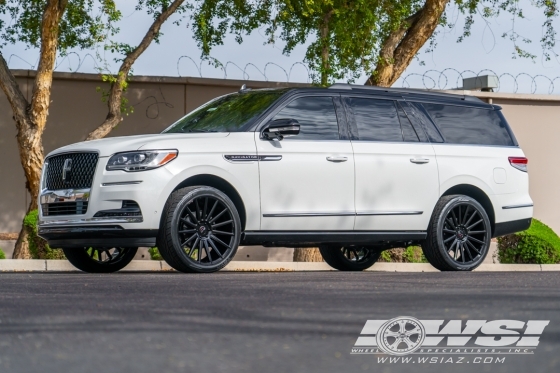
[
  {"x": 114, "y": 115},
  {"x": 31, "y": 118},
  {"x": 325, "y": 49},
  {"x": 400, "y": 47},
  {"x": 310, "y": 254}
]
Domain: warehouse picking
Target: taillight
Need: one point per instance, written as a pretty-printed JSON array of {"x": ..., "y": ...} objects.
[{"x": 519, "y": 162}]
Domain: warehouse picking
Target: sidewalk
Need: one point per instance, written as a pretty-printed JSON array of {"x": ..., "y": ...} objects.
[{"x": 40, "y": 265}]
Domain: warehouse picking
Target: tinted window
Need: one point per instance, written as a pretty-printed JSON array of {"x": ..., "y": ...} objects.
[
  {"x": 467, "y": 125},
  {"x": 408, "y": 132},
  {"x": 376, "y": 120},
  {"x": 231, "y": 113},
  {"x": 316, "y": 117},
  {"x": 427, "y": 124}
]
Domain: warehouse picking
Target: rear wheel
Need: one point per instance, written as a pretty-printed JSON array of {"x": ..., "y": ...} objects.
[
  {"x": 100, "y": 259},
  {"x": 349, "y": 258},
  {"x": 459, "y": 234},
  {"x": 201, "y": 230}
]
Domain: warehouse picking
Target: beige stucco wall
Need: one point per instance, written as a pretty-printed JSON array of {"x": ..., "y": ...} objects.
[{"x": 77, "y": 109}]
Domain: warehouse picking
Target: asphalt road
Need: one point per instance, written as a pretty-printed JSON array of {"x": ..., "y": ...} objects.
[{"x": 253, "y": 322}]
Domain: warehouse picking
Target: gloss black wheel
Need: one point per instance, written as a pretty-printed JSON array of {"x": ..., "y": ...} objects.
[
  {"x": 459, "y": 235},
  {"x": 100, "y": 259},
  {"x": 201, "y": 230},
  {"x": 349, "y": 258}
]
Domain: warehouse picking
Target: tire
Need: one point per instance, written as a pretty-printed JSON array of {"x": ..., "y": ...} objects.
[
  {"x": 200, "y": 230},
  {"x": 100, "y": 260},
  {"x": 351, "y": 258},
  {"x": 459, "y": 234}
]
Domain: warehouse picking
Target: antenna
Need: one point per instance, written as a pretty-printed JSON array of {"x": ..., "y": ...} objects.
[{"x": 244, "y": 88}]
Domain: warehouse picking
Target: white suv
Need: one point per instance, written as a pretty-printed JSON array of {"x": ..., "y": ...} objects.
[{"x": 353, "y": 170}]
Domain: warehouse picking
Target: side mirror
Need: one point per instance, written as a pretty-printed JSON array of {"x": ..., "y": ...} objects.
[{"x": 280, "y": 128}]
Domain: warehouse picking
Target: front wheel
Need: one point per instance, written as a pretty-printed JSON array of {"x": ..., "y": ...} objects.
[
  {"x": 100, "y": 259},
  {"x": 459, "y": 234},
  {"x": 349, "y": 258},
  {"x": 200, "y": 231}
]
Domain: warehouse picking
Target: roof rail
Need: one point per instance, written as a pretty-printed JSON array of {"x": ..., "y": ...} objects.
[{"x": 413, "y": 91}]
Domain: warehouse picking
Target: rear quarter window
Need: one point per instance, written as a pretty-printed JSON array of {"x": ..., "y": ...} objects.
[{"x": 469, "y": 125}]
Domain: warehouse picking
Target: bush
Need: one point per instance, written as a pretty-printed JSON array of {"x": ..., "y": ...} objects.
[
  {"x": 412, "y": 254},
  {"x": 537, "y": 245},
  {"x": 2, "y": 255},
  {"x": 154, "y": 253},
  {"x": 37, "y": 246}
]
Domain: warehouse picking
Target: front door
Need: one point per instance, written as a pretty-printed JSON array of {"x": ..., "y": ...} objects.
[
  {"x": 397, "y": 182},
  {"x": 307, "y": 180}
]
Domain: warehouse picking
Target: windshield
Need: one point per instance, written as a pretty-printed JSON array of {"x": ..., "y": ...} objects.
[{"x": 231, "y": 113}]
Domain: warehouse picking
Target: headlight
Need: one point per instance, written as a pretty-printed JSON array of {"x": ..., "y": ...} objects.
[{"x": 140, "y": 160}]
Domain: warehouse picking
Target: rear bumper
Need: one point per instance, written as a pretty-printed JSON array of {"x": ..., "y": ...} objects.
[
  {"x": 97, "y": 236},
  {"x": 509, "y": 227}
]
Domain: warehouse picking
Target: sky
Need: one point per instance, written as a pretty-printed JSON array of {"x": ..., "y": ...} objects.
[{"x": 485, "y": 52}]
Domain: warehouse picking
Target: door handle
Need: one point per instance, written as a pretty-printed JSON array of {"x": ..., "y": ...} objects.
[
  {"x": 419, "y": 160},
  {"x": 337, "y": 159}
]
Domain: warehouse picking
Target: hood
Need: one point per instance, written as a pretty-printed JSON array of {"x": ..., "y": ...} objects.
[{"x": 112, "y": 145}]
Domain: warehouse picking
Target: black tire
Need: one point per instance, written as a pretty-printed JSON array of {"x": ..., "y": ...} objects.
[
  {"x": 349, "y": 258},
  {"x": 200, "y": 230},
  {"x": 459, "y": 234},
  {"x": 100, "y": 259}
]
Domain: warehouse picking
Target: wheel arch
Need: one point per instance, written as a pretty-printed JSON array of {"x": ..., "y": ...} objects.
[
  {"x": 220, "y": 184},
  {"x": 479, "y": 195}
]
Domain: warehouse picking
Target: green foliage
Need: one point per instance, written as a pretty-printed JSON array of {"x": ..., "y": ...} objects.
[
  {"x": 2, "y": 255},
  {"x": 539, "y": 244},
  {"x": 412, "y": 254},
  {"x": 344, "y": 38},
  {"x": 84, "y": 23},
  {"x": 37, "y": 246},
  {"x": 154, "y": 253}
]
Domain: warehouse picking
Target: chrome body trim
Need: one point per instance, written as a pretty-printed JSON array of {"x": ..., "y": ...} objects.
[
  {"x": 235, "y": 158},
  {"x": 375, "y": 213},
  {"x": 365, "y": 213},
  {"x": 104, "y": 220},
  {"x": 517, "y": 206},
  {"x": 122, "y": 183},
  {"x": 65, "y": 195},
  {"x": 304, "y": 214}
]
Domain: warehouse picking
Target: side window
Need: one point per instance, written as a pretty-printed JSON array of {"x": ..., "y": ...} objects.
[
  {"x": 376, "y": 120},
  {"x": 316, "y": 117},
  {"x": 408, "y": 132},
  {"x": 427, "y": 124},
  {"x": 468, "y": 125}
]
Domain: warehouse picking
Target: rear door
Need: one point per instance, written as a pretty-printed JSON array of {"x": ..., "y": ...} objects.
[{"x": 396, "y": 173}]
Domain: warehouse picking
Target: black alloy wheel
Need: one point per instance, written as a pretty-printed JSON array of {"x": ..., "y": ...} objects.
[
  {"x": 350, "y": 258},
  {"x": 100, "y": 259},
  {"x": 202, "y": 230},
  {"x": 459, "y": 236}
]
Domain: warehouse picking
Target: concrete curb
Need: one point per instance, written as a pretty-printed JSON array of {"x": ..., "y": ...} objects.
[{"x": 40, "y": 265}]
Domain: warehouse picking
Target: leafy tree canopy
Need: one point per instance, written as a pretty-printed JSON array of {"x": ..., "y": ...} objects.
[{"x": 345, "y": 37}]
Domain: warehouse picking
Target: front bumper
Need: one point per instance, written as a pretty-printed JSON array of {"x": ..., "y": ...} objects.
[
  {"x": 108, "y": 191},
  {"x": 97, "y": 236}
]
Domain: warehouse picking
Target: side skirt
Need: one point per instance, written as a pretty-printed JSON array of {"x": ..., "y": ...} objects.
[{"x": 314, "y": 238}]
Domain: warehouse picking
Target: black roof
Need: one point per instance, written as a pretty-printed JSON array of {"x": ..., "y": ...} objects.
[{"x": 406, "y": 93}]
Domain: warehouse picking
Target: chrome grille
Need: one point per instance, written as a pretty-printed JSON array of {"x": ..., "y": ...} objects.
[
  {"x": 79, "y": 172},
  {"x": 64, "y": 208}
]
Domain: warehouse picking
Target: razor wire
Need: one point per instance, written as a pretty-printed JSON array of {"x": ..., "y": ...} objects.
[{"x": 443, "y": 79}]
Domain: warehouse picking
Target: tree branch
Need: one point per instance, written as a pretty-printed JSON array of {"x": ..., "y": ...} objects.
[
  {"x": 114, "y": 116},
  {"x": 401, "y": 45},
  {"x": 15, "y": 97}
]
